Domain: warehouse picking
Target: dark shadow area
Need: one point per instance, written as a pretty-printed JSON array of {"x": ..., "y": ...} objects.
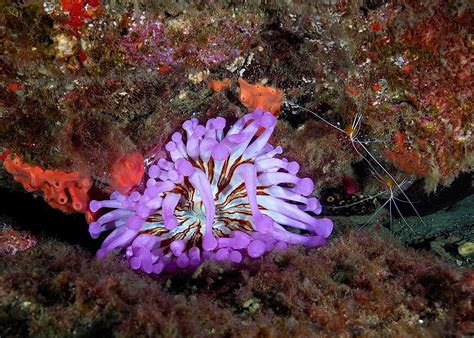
[
  {"x": 444, "y": 197},
  {"x": 33, "y": 214}
]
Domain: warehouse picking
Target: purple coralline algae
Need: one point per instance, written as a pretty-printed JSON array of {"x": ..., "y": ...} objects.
[
  {"x": 220, "y": 196},
  {"x": 147, "y": 42},
  {"x": 12, "y": 241}
]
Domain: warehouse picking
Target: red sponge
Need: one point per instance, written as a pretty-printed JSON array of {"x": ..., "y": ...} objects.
[
  {"x": 127, "y": 172},
  {"x": 62, "y": 190}
]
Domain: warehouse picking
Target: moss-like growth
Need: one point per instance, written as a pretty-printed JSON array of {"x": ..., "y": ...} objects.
[{"x": 360, "y": 284}]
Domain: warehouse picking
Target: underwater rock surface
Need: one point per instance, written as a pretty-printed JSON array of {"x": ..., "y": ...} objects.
[
  {"x": 360, "y": 284},
  {"x": 96, "y": 80},
  {"x": 373, "y": 99}
]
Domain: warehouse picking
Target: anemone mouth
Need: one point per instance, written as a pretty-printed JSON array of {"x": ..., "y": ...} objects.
[{"x": 218, "y": 196}]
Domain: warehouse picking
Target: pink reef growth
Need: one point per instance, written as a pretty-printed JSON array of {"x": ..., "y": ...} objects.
[
  {"x": 147, "y": 42},
  {"x": 12, "y": 241},
  {"x": 220, "y": 196}
]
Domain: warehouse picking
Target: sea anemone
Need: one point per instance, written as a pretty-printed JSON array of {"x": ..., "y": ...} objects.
[{"x": 221, "y": 196}]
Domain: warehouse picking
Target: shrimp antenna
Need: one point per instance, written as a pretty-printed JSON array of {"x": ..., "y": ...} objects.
[
  {"x": 394, "y": 181},
  {"x": 352, "y": 134},
  {"x": 295, "y": 105}
]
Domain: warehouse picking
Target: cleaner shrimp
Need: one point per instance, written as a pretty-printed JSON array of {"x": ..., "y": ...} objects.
[{"x": 379, "y": 171}]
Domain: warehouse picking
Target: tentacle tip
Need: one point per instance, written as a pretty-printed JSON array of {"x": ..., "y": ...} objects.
[
  {"x": 147, "y": 266},
  {"x": 134, "y": 196},
  {"x": 323, "y": 227},
  {"x": 94, "y": 205},
  {"x": 170, "y": 146},
  {"x": 95, "y": 229},
  {"x": 256, "y": 248},
  {"x": 306, "y": 186},
  {"x": 222, "y": 254},
  {"x": 158, "y": 268},
  {"x": 177, "y": 247},
  {"x": 209, "y": 242},
  {"x": 134, "y": 262},
  {"x": 235, "y": 257},
  {"x": 314, "y": 205},
  {"x": 199, "y": 130},
  {"x": 176, "y": 137},
  {"x": 184, "y": 167},
  {"x": 293, "y": 167},
  {"x": 188, "y": 124},
  {"x": 219, "y": 152},
  {"x": 268, "y": 120},
  {"x": 219, "y": 123}
]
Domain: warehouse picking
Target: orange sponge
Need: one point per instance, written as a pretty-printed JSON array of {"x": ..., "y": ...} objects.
[
  {"x": 219, "y": 85},
  {"x": 67, "y": 192},
  {"x": 127, "y": 172},
  {"x": 256, "y": 96}
]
